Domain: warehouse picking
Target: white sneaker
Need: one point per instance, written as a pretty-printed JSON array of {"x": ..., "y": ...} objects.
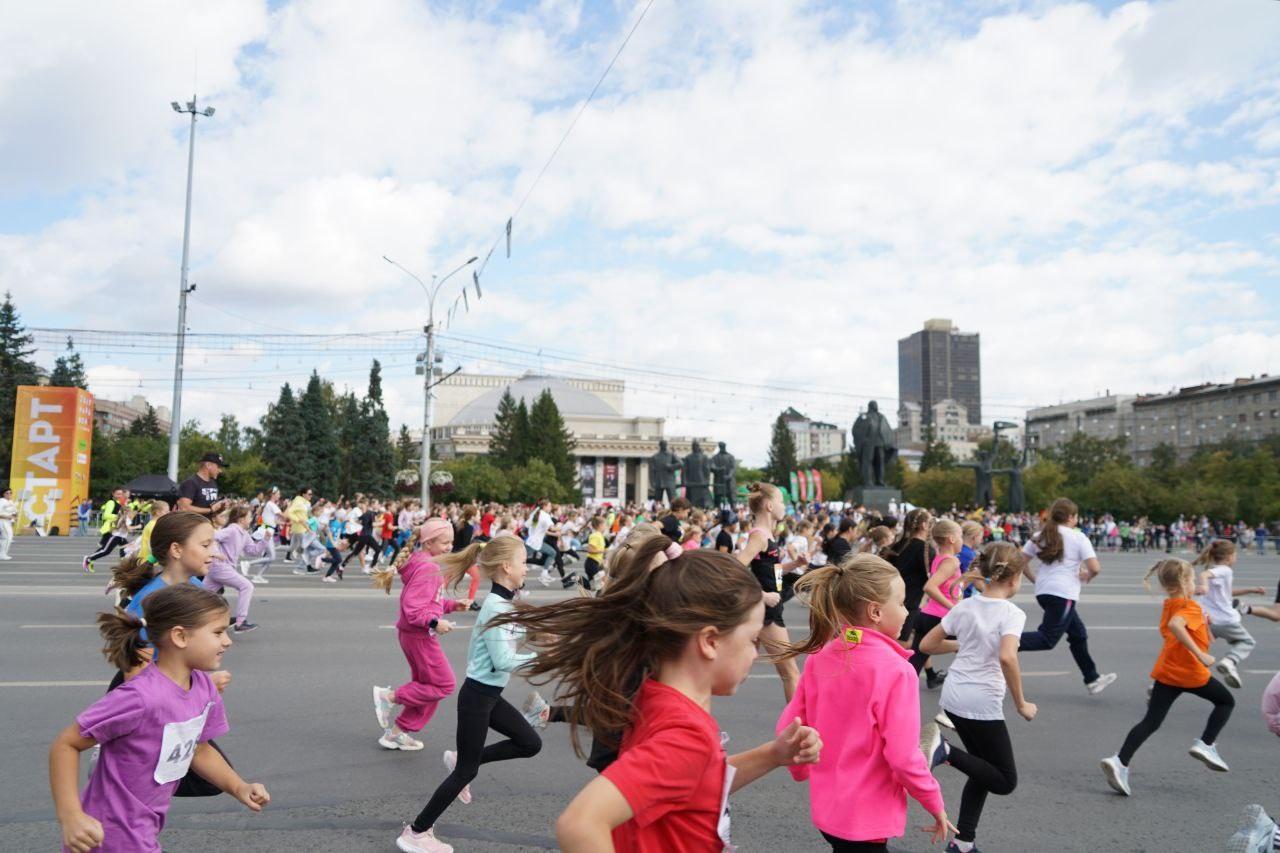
[
  {"x": 1101, "y": 683},
  {"x": 299, "y": 571},
  {"x": 1208, "y": 754},
  {"x": 1230, "y": 674},
  {"x": 258, "y": 579},
  {"x": 1117, "y": 775},
  {"x": 545, "y": 579},
  {"x": 399, "y": 741},
  {"x": 943, "y": 720},
  {"x": 1256, "y": 832},
  {"x": 450, "y": 762},
  {"x": 329, "y": 579},
  {"x": 421, "y": 842},
  {"x": 383, "y": 706},
  {"x": 536, "y": 710}
]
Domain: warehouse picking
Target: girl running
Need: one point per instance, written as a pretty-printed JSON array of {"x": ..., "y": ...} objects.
[
  {"x": 943, "y": 589},
  {"x": 1217, "y": 588},
  {"x": 987, "y": 629},
  {"x": 1182, "y": 667},
  {"x": 762, "y": 555},
  {"x": 422, "y": 608},
  {"x": 491, "y": 658},
  {"x": 860, "y": 691},
  {"x": 912, "y": 555},
  {"x": 152, "y": 729},
  {"x": 232, "y": 543},
  {"x": 686, "y": 623},
  {"x": 1062, "y": 558},
  {"x": 117, "y": 536},
  {"x": 595, "y": 553}
]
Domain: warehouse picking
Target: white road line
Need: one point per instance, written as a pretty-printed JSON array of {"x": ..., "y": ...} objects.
[{"x": 54, "y": 683}]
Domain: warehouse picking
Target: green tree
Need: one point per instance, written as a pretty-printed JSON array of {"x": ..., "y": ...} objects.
[
  {"x": 850, "y": 473},
  {"x": 147, "y": 426},
  {"x": 1164, "y": 464},
  {"x": 938, "y": 488},
  {"x": 320, "y": 439},
  {"x": 507, "y": 441},
  {"x": 534, "y": 481},
  {"x": 405, "y": 455},
  {"x": 347, "y": 415},
  {"x": 373, "y": 464},
  {"x": 477, "y": 479},
  {"x": 283, "y": 448},
  {"x": 1121, "y": 490},
  {"x": 68, "y": 369},
  {"x": 1083, "y": 456},
  {"x": 937, "y": 453},
  {"x": 16, "y": 368},
  {"x": 1044, "y": 482},
  {"x": 782, "y": 453},
  {"x": 551, "y": 441},
  {"x": 229, "y": 438},
  {"x": 119, "y": 458}
]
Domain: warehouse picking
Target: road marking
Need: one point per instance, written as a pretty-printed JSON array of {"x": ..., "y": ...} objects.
[{"x": 54, "y": 683}]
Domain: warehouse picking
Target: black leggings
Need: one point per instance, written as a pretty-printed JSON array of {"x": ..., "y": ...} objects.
[
  {"x": 1162, "y": 696},
  {"x": 110, "y": 543},
  {"x": 925, "y": 622},
  {"x": 839, "y": 845},
  {"x": 480, "y": 708},
  {"x": 361, "y": 542},
  {"x": 987, "y": 759}
]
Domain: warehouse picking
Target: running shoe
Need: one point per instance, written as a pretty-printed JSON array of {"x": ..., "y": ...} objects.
[
  {"x": 943, "y": 720},
  {"x": 954, "y": 847},
  {"x": 299, "y": 571},
  {"x": 933, "y": 745},
  {"x": 399, "y": 741},
  {"x": 1230, "y": 674},
  {"x": 245, "y": 627},
  {"x": 421, "y": 842},
  {"x": 1117, "y": 775},
  {"x": 258, "y": 579},
  {"x": 451, "y": 761},
  {"x": 1256, "y": 832},
  {"x": 86, "y": 565},
  {"x": 474, "y": 607},
  {"x": 935, "y": 679},
  {"x": 545, "y": 579},
  {"x": 383, "y": 705},
  {"x": 329, "y": 579},
  {"x": 536, "y": 710},
  {"x": 1101, "y": 683},
  {"x": 569, "y": 581},
  {"x": 1208, "y": 754}
]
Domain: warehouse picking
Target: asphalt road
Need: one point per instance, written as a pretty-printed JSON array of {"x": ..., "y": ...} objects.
[{"x": 302, "y": 723}]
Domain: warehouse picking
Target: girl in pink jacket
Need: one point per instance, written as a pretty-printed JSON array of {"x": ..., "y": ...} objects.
[
  {"x": 422, "y": 608},
  {"x": 859, "y": 690}
]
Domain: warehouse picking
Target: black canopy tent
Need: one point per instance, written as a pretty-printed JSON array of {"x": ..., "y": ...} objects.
[{"x": 152, "y": 486}]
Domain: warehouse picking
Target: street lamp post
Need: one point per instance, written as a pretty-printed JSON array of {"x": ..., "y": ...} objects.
[
  {"x": 175, "y": 417},
  {"x": 424, "y": 469}
]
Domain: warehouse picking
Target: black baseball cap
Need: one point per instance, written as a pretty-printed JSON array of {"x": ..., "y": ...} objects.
[{"x": 215, "y": 458}]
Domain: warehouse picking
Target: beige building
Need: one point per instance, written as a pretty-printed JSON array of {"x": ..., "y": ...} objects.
[
  {"x": 111, "y": 416},
  {"x": 950, "y": 422},
  {"x": 814, "y": 439},
  {"x": 611, "y": 449}
]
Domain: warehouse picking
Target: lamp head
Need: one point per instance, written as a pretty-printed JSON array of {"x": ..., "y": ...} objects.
[
  {"x": 177, "y": 108},
  {"x": 208, "y": 111}
]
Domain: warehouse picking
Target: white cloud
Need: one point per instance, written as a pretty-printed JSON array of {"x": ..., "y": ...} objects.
[{"x": 772, "y": 193}]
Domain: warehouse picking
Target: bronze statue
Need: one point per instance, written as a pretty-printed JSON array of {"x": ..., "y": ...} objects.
[
  {"x": 1017, "y": 491},
  {"x": 663, "y": 466},
  {"x": 874, "y": 445},
  {"x": 725, "y": 468},
  {"x": 697, "y": 477},
  {"x": 983, "y": 488}
]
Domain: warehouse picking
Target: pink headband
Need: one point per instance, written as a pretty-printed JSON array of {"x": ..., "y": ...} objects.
[
  {"x": 669, "y": 553},
  {"x": 432, "y": 528}
]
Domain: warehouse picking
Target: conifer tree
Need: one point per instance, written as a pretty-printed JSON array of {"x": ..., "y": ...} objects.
[
  {"x": 147, "y": 426},
  {"x": 782, "y": 454},
  {"x": 16, "y": 368},
  {"x": 505, "y": 450},
  {"x": 320, "y": 443},
  {"x": 283, "y": 448},
  {"x": 68, "y": 369},
  {"x": 551, "y": 441}
]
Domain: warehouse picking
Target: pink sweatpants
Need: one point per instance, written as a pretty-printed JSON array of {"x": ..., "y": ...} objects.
[
  {"x": 223, "y": 575},
  {"x": 430, "y": 680}
]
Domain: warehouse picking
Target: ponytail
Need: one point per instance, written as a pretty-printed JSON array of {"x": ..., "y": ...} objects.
[
  {"x": 1049, "y": 541},
  {"x": 454, "y": 566},
  {"x": 121, "y": 633},
  {"x": 132, "y": 573},
  {"x": 182, "y": 605},
  {"x": 837, "y": 595},
  {"x": 1216, "y": 553}
]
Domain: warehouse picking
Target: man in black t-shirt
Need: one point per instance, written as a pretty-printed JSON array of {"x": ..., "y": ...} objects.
[{"x": 199, "y": 492}]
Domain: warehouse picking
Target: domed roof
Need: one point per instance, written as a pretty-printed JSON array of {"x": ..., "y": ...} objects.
[{"x": 570, "y": 400}]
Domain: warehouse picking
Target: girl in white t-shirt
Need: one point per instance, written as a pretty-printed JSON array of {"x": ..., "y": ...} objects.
[
  {"x": 987, "y": 629},
  {"x": 1062, "y": 558},
  {"x": 1214, "y": 591}
]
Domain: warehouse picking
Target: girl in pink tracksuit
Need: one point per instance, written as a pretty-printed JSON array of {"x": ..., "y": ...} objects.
[
  {"x": 859, "y": 690},
  {"x": 234, "y": 543},
  {"x": 422, "y": 608}
]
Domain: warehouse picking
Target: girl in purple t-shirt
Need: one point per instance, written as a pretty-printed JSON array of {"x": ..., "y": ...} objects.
[{"x": 152, "y": 729}]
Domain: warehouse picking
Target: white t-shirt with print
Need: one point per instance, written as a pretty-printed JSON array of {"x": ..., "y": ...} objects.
[
  {"x": 975, "y": 684},
  {"x": 1063, "y": 577},
  {"x": 1217, "y": 601}
]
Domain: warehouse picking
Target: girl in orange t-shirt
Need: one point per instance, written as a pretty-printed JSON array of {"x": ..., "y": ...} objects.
[{"x": 1182, "y": 667}]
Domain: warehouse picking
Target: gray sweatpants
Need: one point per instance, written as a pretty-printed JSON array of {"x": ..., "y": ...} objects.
[{"x": 1240, "y": 640}]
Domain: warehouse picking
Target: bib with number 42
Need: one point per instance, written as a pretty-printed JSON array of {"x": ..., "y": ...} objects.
[{"x": 178, "y": 747}]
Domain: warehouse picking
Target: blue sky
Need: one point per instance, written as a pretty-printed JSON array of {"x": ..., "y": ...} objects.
[{"x": 768, "y": 192}]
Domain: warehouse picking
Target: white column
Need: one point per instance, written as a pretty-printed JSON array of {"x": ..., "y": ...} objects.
[
  {"x": 642, "y": 481},
  {"x": 599, "y": 491},
  {"x": 622, "y": 479}
]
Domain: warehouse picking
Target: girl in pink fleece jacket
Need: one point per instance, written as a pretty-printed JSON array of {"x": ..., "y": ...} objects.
[
  {"x": 859, "y": 690},
  {"x": 422, "y": 608}
]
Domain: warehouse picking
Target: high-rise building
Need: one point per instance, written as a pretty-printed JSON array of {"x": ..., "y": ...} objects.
[
  {"x": 938, "y": 363},
  {"x": 814, "y": 439}
]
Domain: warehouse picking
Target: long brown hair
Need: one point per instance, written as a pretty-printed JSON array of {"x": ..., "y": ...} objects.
[
  {"x": 999, "y": 561},
  {"x": 173, "y": 528},
  {"x": 601, "y": 649},
  {"x": 181, "y": 605},
  {"x": 914, "y": 522},
  {"x": 1049, "y": 540},
  {"x": 1216, "y": 553},
  {"x": 838, "y": 594}
]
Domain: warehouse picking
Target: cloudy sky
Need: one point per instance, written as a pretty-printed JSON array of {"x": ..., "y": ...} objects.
[{"x": 763, "y": 197}]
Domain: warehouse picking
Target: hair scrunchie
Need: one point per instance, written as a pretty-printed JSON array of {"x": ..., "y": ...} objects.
[{"x": 151, "y": 558}]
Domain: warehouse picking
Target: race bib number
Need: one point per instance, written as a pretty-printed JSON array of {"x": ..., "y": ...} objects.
[
  {"x": 178, "y": 747},
  {"x": 777, "y": 577},
  {"x": 722, "y": 829}
]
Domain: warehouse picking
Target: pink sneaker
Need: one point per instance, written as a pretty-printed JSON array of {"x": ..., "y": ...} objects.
[
  {"x": 421, "y": 842},
  {"x": 450, "y": 762}
]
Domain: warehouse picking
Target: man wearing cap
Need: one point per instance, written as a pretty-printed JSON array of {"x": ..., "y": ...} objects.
[{"x": 199, "y": 492}]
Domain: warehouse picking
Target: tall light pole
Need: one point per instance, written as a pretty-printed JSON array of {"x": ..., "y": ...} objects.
[
  {"x": 424, "y": 469},
  {"x": 175, "y": 415}
]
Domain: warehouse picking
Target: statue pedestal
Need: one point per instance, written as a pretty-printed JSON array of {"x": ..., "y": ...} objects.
[{"x": 876, "y": 497}]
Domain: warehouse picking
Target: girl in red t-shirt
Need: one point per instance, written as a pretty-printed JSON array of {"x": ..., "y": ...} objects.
[
  {"x": 1182, "y": 667},
  {"x": 686, "y": 628}
]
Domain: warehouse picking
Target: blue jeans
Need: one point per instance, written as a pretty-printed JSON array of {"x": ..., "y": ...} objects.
[{"x": 1061, "y": 617}]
